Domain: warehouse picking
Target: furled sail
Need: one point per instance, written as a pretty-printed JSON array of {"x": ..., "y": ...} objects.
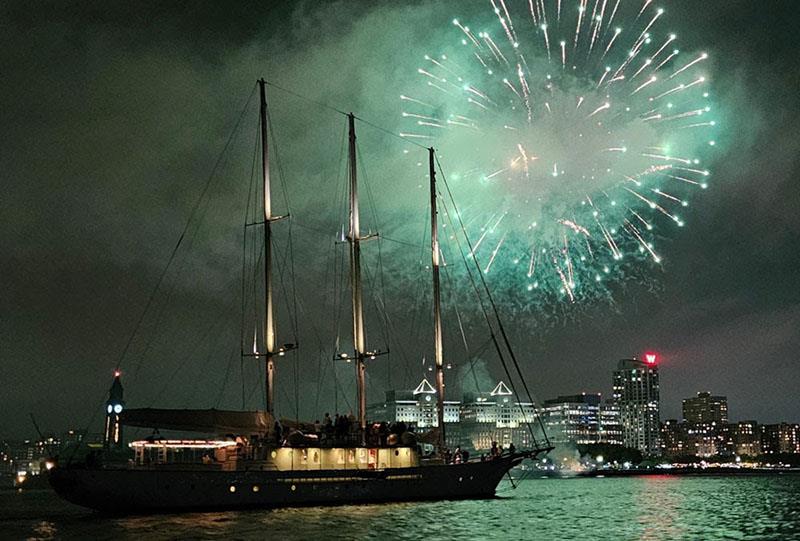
[{"x": 199, "y": 420}]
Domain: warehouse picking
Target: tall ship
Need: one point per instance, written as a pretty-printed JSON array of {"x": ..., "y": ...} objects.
[{"x": 252, "y": 459}]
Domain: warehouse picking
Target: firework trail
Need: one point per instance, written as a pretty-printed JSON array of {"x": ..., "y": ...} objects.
[{"x": 573, "y": 135}]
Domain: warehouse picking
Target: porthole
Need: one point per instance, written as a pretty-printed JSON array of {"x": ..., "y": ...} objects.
[
  {"x": 274, "y": 454},
  {"x": 294, "y": 488},
  {"x": 256, "y": 488},
  {"x": 460, "y": 479},
  {"x": 232, "y": 488}
]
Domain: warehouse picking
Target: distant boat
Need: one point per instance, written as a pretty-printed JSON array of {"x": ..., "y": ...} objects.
[{"x": 258, "y": 468}]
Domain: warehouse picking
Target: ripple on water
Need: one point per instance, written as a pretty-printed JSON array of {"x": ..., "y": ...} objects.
[{"x": 643, "y": 508}]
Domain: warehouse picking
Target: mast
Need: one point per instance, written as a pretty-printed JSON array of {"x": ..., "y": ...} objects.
[
  {"x": 269, "y": 332},
  {"x": 354, "y": 238},
  {"x": 437, "y": 305}
]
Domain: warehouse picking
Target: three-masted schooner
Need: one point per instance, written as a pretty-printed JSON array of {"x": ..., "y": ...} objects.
[{"x": 257, "y": 468}]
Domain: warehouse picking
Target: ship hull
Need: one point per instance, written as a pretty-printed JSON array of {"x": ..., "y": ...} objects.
[{"x": 163, "y": 490}]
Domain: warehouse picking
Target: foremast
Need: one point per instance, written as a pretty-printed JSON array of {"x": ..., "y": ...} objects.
[
  {"x": 437, "y": 305},
  {"x": 269, "y": 331},
  {"x": 354, "y": 239}
]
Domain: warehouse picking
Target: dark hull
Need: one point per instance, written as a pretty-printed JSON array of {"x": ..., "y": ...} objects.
[{"x": 136, "y": 491}]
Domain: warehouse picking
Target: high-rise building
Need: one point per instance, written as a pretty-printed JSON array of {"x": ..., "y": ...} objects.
[
  {"x": 636, "y": 392},
  {"x": 705, "y": 408}
]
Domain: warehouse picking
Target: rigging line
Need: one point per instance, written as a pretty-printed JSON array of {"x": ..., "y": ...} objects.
[
  {"x": 184, "y": 266},
  {"x": 422, "y": 289},
  {"x": 244, "y": 240},
  {"x": 208, "y": 335},
  {"x": 256, "y": 387},
  {"x": 388, "y": 132},
  {"x": 227, "y": 376},
  {"x": 378, "y": 299},
  {"x": 185, "y": 229},
  {"x": 406, "y": 243},
  {"x": 330, "y": 107},
  {"x": 499, "y": 321},
  {"x": 241, "y": 371},
  {"x": 484, "y": 311},
  {"x": 277, "y": 160},
  {"x": 290, "y": 254},
  {"x": 305, "y": 98},
  {"x": 92, "y": 416},
  {"x": 485, "y": 344},
  {"x": 493, "y": 336}
]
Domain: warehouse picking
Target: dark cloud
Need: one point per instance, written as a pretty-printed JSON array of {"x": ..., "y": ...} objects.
[{"x": 113, "y": 115}]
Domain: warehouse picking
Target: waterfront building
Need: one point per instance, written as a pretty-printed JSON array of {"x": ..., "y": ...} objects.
[
  {"x": 746, "y": 438},
  {"x": 705, "y": 408},
  {"x": 708, "y": 439},
  {"x": 573, "y": 419},
  {"x": 417, "y": 408},
  {"x": 636, "y": 393},
  {"x": 610, "y": 427},
  {"x": 581, "y": 420},
  {"x": 473, "y": 423},
  {"x": 675, "y": 439},
  {"x": 496, "y": 416},
  {"x": 780, "y": 438}
]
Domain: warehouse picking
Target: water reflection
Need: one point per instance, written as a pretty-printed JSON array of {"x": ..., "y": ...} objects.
[{"x": 646, "y": 508}]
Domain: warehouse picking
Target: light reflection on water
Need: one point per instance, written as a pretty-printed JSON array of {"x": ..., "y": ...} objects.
[{"x": 642, "y": 508}]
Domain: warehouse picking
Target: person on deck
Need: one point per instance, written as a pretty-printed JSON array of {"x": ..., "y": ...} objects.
[
  {"x": 495, "y": 451},
  {"x": 278, "y": 433}
]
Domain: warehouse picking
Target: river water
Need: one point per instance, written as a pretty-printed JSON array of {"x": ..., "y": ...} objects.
[{"x": 652, "y": 507}]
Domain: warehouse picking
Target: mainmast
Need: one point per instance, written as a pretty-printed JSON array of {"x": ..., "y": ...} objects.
[
  {"x": 269, "y": 333},
  {"x": 354, "y": 238},
  {"x": 437, "y": 305}
]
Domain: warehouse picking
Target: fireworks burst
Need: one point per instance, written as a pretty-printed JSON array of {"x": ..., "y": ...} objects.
[{"x": 572, "y": 134}]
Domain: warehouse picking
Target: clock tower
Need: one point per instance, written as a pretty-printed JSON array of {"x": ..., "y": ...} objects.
[{"x": 112, "y": 437}]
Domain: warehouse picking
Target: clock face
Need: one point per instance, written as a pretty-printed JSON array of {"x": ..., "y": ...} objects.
[
  {"x": 110, "y": 408},
  {"x": 118, "y": 408}
]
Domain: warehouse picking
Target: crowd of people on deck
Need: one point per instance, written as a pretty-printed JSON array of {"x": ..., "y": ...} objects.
[{"x": 343, "y": 430}]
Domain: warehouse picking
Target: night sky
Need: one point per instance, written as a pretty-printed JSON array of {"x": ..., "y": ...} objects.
[{"x": 112, "y": 120}]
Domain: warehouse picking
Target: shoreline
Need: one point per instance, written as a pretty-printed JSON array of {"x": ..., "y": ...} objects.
[{"x": 678, "y": 472}]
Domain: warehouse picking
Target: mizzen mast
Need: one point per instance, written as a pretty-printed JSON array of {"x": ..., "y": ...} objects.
[
  {"x": 354, "y": 239},
  {"x": 437, "y": 305}
]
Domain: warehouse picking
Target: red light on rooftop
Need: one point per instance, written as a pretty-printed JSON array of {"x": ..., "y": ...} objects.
[{"x": 650, "y": 358}]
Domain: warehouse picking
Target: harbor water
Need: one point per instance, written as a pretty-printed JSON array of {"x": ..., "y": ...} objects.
[{"x": 645, "y": 508}]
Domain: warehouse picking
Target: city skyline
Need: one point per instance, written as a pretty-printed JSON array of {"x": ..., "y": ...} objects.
[{"x": 678, "y": 405}]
